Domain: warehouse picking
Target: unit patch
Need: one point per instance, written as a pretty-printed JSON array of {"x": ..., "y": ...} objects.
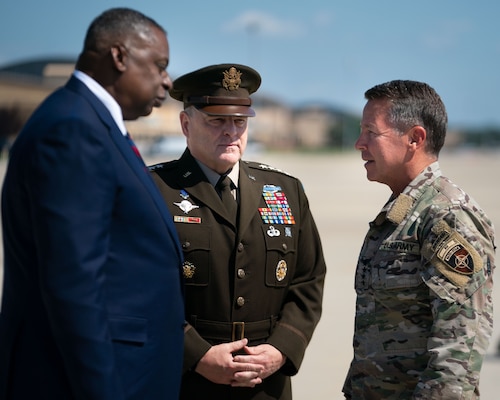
[
  {"x": 458, "y": 255},
  {"x": 454, "y": 256}
]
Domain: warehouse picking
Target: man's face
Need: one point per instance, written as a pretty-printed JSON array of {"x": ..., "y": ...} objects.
[
  {"x": 382, "y": 147},
  {"x": 217, "y": 141},
  {"x": 145, "y": 82}
]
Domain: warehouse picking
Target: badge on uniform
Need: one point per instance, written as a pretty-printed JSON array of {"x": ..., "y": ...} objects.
[
  {"x": 281, "y": 270},
  {"x": 454, "y": 256},
  {"x": 188, "y": 270},
  {"x": 278, "y": 210},
  {"x": 186, "y": 206},
  {"x": 273, "y": 232}
]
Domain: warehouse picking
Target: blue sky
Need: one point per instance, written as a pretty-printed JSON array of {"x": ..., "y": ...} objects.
[{"x": 326, "y": 52}]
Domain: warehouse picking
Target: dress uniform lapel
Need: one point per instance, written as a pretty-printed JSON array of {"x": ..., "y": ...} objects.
[
  {"x": 250, "y": 195},
  {"x": 193, "y": 181}
]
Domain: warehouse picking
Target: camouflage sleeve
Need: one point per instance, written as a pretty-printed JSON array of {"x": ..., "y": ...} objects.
[{"x": 459, "y": 250}]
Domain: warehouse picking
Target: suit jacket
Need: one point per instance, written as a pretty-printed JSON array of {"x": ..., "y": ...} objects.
[
  {"x": 92, "y": 301},
  {"x": 268, "y": 271}
]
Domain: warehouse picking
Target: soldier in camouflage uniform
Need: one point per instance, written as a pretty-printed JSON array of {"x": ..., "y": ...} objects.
[
  {"x": 424, "y": 311},
  {"x": 254, "y": 280}
]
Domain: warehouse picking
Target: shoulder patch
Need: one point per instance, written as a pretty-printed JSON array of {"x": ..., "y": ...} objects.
[
  {"x": 454, "y": 256},
  {"x": 400, "y": 208}
]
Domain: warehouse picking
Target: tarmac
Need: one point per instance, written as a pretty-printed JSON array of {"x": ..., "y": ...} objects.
[{"x": 343, "y": 201}]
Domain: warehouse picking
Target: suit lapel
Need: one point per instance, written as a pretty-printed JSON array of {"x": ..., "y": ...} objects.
[
  {"x": 139, "y": 168},
  {"x": 137, "y": 164}
]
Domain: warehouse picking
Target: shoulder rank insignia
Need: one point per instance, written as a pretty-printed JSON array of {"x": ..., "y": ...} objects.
[
  {"x": 270, "y": 168},
  {"x": 278, "y": 210}
]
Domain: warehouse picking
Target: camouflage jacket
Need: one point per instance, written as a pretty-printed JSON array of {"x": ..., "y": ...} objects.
[{"x": 424, "y": 311}]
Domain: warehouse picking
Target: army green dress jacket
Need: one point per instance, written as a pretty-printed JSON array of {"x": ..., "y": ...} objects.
[{"x": 261, "y": 278}]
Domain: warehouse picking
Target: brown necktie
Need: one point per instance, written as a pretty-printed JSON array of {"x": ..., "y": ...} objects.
[{"x": 223, "y": 187}]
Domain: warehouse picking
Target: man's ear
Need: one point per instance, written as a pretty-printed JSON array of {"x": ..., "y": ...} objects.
[
  {"x": 417, "y": 136},
  {"x": 184, "y": 119},
  {"x": 119, "y": 56}
]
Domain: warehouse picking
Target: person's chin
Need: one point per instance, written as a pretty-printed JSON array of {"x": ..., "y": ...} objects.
[
  {"x": 371, "y": 173},
  {"x": 231, "y": 156}
]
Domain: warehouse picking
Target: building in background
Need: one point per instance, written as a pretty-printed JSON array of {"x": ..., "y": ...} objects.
[{"x": 24, "y": 85}]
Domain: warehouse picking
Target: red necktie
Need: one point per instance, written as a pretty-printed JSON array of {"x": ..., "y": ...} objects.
[{"x": 132, "y": 144}]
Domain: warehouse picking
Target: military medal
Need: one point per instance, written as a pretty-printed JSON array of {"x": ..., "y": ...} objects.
[{"x": 278, "y": 210}]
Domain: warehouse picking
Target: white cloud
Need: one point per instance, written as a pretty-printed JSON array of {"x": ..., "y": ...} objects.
[
  {"x": 447, "y": 35},
  {"x": 264, "y": 25}
]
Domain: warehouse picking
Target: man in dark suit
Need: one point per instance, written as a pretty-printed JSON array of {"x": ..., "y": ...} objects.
[
  {"x": 92, "y": 300},
  {"x": 254, "y": 267}
]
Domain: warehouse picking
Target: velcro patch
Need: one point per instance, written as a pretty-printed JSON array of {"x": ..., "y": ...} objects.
[{"x": 456, "y": 258}]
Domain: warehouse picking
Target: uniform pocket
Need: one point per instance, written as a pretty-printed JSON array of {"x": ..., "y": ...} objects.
[
  {"x": 280, "y": 254},
  {"x": 195, "y": 243},
  {"x": 397, "y": 271}
]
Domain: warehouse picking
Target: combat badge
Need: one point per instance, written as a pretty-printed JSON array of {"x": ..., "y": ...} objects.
[
  {"x": 188, "y": 270},
  {"x": 455, "y": 257},
  {"x": 281, "y": 270}
]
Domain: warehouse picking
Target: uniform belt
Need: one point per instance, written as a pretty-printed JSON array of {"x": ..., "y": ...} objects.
[{"x": 231, "y": 331}]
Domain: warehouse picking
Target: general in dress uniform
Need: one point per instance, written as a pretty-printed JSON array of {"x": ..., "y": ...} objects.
[{"x": 255, "y": 272}]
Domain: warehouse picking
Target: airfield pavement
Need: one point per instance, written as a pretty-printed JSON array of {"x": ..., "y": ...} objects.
[{"x": 343, "y": 202}]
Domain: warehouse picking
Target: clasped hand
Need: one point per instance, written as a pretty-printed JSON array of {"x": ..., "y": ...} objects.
[{"x": 246, "y": 370}]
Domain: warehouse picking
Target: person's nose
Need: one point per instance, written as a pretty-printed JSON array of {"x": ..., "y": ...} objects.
[
  {"x": 167, "y": 81},
  {"x": 230, "y": 128},
  {"x": 360, "y": 143}
]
